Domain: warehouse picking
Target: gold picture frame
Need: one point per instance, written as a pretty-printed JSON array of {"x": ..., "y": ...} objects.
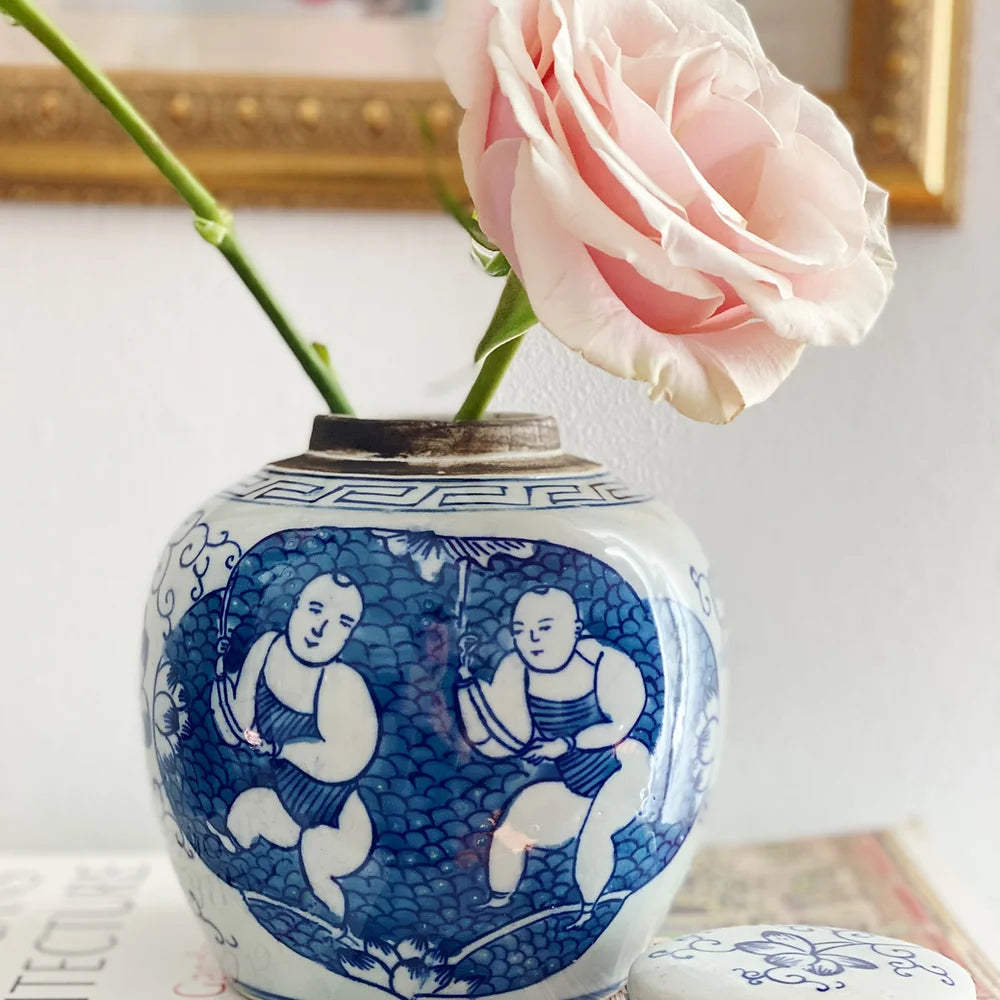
[{"x": 311, "y": 142}]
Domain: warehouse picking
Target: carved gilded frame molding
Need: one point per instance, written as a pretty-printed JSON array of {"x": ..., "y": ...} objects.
[
  {"x": 905, "y": 101},
  {"x": 350, "y": 143}
]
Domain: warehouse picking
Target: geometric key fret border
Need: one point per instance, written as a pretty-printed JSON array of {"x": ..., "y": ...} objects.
[{"x": 282, "y": 488}]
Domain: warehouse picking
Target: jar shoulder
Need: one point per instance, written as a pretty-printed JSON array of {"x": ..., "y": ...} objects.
[
  {"x": 594, "y": 514},
  {"x": 598, "y": 502},
  {"x": 591, "y": 488}
]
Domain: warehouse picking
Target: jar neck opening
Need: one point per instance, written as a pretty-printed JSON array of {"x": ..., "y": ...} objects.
[
  {"x": 501, "y": 437},
  {"x": 512, "y": 444}
]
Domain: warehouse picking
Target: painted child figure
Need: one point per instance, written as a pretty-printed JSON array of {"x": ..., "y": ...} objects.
[
  {"x": 570, "y": 699},
  {"x": 295, "y": 700}
]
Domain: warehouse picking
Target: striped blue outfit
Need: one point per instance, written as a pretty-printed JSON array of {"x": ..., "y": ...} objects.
[
  {"x": 582, "y": 771},
  {"x": 308, "y": 801}
]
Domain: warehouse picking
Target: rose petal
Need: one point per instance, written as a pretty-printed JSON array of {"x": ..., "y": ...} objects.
[
  {"x": 708, "y": 376},
  {"x": 581, "y": 213},
  {"x": 677, "y": 210},
  {"x": 700, "y": 250},
  {"x": 462, "y": 49},
  {"x": 826, "y": 308}
]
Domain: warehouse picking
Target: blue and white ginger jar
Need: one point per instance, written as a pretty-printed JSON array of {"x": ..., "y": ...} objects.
[{"x": 431, "y": 711}]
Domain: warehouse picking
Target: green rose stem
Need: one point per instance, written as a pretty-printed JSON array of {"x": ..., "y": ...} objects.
[
  {"x": 490, "y": 377},
  {"x": 213, "y": 222},
  {"x": 513, "y": 318}
]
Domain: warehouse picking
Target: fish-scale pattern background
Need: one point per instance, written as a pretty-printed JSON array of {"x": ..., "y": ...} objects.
[{"x": 434, "y": 802}]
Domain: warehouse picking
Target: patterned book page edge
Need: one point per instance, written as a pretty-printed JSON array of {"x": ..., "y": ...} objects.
[
  {"x": 877, "y": 882},
  {"x": 940, "y": 894}
]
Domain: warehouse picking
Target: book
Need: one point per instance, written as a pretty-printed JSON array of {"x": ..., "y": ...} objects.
[
  {"x": 118, "y": 927},
  {"x": 889, "y": 882}
]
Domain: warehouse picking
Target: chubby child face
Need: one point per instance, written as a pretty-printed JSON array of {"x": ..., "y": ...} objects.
[
  {"x": 325, "y": 615},
  {"x": 546, "y": 628}
]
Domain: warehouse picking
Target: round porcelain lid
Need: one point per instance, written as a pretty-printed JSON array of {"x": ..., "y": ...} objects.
[{"x": 780, "y": 962}]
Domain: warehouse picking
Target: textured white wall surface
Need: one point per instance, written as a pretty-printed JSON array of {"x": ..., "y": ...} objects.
[{"x": 853, "y": 522}]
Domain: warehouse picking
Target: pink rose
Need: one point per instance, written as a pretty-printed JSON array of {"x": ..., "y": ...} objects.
[{"x": 677, "y": 210}]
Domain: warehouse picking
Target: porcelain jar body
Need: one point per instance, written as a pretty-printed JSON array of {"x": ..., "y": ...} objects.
[{"x": 431, "y": 713}]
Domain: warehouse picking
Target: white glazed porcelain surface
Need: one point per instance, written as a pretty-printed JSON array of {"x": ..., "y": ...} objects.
[
  {"x": 777, "y": 962},
  {"x": 424, "y": 736}
]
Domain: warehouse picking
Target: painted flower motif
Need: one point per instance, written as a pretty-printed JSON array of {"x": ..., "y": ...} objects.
[
  {"x": 431, "y": 553},
  {"x": 147, "y": 722},
  {"x": 410, "y": 970},
  {"x": 792, "y": 951},
  {"x": 169, "y": 715},
  {"x": 708, "y": 741}
]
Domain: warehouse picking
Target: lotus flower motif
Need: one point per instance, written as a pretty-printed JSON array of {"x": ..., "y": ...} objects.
[
  {"x": 410, "y": 970},
  {"x": 792, "y": 951}
]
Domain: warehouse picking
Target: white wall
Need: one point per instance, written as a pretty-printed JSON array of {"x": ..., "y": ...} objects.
[{"x": 853, "y": 521}]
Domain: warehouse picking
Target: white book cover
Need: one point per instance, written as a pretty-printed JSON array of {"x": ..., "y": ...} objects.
[{"x": 100, "y": 928}]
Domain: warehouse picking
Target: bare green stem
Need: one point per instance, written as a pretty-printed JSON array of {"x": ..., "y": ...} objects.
[
  {"x": 212, "y": 221},
  {"x": 490, "y": 376},
  {"x": 512, "y": 319}
]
